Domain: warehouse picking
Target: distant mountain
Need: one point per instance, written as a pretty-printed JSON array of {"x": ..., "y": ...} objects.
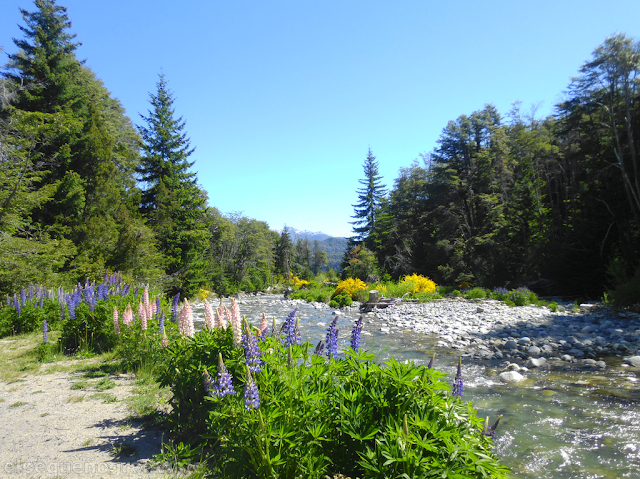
[
  {"x": 334, "y": 246},
  {"x": 294, "y": 234}
]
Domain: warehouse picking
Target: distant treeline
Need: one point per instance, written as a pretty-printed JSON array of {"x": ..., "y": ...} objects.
[{"x": 508, "y": 200}]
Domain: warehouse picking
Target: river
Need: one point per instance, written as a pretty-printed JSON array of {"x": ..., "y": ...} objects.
[{"x": 558, "y": 423}]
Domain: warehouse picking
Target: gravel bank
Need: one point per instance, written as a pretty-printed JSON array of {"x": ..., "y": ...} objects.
[{"x": 50, "y": 430}]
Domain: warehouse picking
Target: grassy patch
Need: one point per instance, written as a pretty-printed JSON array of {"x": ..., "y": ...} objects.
[
  {"x": 3, "y": 399},
  {"x": 105, "y": 383},
  {"x": 76, "y": 399},
  {"x": 83, "y": 384},
  {"x": 88, "y": 442},
  {"x": 18, "y": 404},
  {"x": 38, "y": 391},
  {"x": 104, "y": 397}
]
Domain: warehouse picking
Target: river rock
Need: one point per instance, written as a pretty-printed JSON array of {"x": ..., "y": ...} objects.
[
  {"x": 534, "y": 351},
  {"x": 536, "y": 362},
  {"x": 511, "y": 377},
  {"x": 511, "y": 344},
  {"x": 633, "y": 361}
]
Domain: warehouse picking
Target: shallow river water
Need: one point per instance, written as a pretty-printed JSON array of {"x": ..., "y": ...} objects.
[{"x": 556, "y": 424}]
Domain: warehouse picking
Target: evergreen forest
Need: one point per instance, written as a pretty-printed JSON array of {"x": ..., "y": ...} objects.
[{"x": 505, "y": 199}]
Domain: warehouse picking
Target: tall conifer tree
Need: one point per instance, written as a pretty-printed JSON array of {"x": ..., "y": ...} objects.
[
  {"x": 369, "y": 196},
  {"x": 171, "y": 200}
]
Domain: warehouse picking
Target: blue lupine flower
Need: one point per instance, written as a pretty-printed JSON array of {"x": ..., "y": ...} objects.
[
  {"x": 458, "y": 385},
  {"x": 332, "y": 339},
  {"x": 45, "y": 332},
  {"x": 355, "y": 334},
  {"x": 61, "y": 312},
  {"x": 253, "y": 356},
  {"x": 174, "y": 315},
  {"x": 224, "y": 384},
  {"x": 31, "y": 292},
  {"x": 41, "y": 301},
  {"x": 491, "y": 432},
  {"x": 23, "y": 297},
  {"x": 251, "y": 396},
  {"x": 289, "y": 328},
  {"x": 125, "y": 291},
  {"x": 158, "y": 306},
  {"x": 319, "y": 348},
  {"x": 16, "y": 305},
  {"x": 161, "y": 323},
  {"x": 433, "y": 358}
]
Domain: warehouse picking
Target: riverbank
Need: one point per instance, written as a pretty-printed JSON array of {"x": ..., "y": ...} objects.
[{"x": 75, "y": 419}]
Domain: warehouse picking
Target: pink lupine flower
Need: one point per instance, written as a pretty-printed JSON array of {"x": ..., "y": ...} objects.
[
  {"x": 116, "y": 323},
  {"x": 142, "y": 314},
  {"x": 208, "y": 316},
  {"x": 227, "y": 315},
  {"x": 263, "y": 326},
  {"x": 165, "y": 341},
  {"x": 127, "y": 317},
  {"x": 236, "y": 323},
  {"x": 185, "y": 323},
  {"x": 219, "y": 321}
]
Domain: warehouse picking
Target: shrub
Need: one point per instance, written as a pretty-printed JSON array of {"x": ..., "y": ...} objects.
[
  {"x": 349, "y": 286},
  {"x": 421, "y": 284},
  {"x": 476, "y": 293},
  {"x": 352, "y": 416}
]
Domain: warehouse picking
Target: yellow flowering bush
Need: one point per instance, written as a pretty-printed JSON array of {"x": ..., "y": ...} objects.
[
  {"x": 421, "y": 283},
  {"x": 349, "y": 286},
  {"x": 297, "y": 281},
  {"x": 204, "y": 294}
]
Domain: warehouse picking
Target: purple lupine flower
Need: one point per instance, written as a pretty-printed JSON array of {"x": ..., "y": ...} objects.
[
  {"x": 332, "y": 339},
  {"x": 289, "y": 328},
  {"x": 433, "y": 358},
  {"x": 319, "y": 348},
  {"x": 161, "y": 323},
  {"x": 23, "y": 297},
  {"x": 252, "y": 353},
  {"x": 355, "y": 335},
  {"x": 458, "y": 385},
  {"x": 158, "y": 306},
  {"x": 31, "y": 292},
  {"x": 251, "y": 397},
  {"x": 61, "y": 312},
  {"x": 174, "y": 316},
  {"x": 16, "y": 305},
  {"x": 41, "y": 301},
  {"x": 135, "y": 292},
  {"x": 491, "y": 431},
  {"x": 125, "y": 291},
  {"x": 45, "y": 332},
  {"x": 224, "y": 384}
]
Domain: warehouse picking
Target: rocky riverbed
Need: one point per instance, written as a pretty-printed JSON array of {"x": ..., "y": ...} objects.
[{"x": 517, "y": 338}]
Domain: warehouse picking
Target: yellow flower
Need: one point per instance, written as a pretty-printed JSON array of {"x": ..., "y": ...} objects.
[
  {"x": 204, "y": 294},
  {"x": 421, "y": 283},
  {"x": 349, "y": 286}
]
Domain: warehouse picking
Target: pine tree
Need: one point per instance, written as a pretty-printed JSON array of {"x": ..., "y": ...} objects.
[
  {"x": 369, "y": 198},
  {"x": 172, "y": 202}
]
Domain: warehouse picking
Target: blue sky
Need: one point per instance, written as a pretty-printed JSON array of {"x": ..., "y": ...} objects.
[{"x": 283, "y": 98}]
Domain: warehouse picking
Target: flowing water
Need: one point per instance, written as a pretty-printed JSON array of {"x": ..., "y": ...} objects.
[{"x": 556, "y": 424}]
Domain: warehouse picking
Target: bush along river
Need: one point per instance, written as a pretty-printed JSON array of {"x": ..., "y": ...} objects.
[{"x": 566, "y": 383}]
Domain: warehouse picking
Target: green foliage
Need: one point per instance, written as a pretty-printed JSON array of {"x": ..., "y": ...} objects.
[
  {"x": 186, "y": 362},
  {"x": 369, "y": 199},
  {"x": 626, "y": 287},
  {"x": 351, "y": 416},
  {"x": 89, "y": 330},
  {"x": 341, "y": 300},
  {"x": 315, "y": 292}
]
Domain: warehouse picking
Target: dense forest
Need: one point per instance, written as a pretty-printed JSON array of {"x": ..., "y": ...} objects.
[
  {"x": 550, "y": 202},
  {"x": 500, "y": 201}
]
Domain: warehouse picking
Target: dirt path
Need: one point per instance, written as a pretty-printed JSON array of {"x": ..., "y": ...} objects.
[{"x": 63, "y": 424}]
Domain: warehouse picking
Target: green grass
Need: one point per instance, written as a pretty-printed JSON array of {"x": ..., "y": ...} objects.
[
  {"x": 104, "y": 397},
  {"x": 18, "y": 404},
  {"x": 76, "y": 399},
  {"x": 105, "y": 383}
]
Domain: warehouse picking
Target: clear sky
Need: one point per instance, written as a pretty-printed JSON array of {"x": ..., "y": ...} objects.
[{"x": 282, "y": 99}]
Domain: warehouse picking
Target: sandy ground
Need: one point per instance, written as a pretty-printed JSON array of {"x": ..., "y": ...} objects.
[{"x": 49, "y": 430}]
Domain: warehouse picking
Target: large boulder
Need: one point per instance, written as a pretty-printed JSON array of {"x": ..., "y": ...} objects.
[{"x": 511, "y": 377}]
